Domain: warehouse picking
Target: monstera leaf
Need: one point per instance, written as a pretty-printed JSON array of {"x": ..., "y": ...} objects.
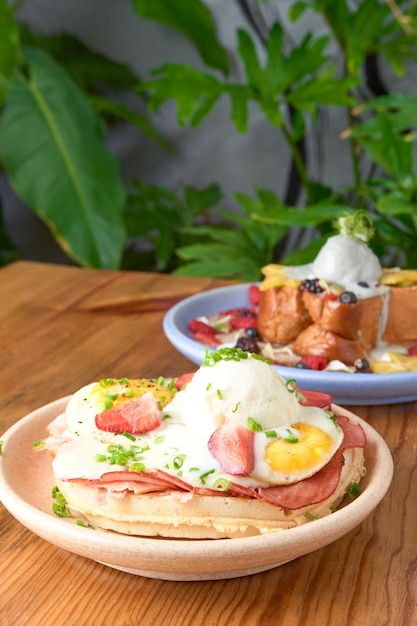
[{"x": 52, "y": 145}]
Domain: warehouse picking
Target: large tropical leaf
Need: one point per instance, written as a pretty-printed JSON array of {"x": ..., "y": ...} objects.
[
  {"x": 194, "y": 20},
  {"x": 9, "y": 48},
  {"x": 52, "y": 144}
]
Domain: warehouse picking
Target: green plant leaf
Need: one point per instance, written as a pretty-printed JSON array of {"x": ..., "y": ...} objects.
[
  {"x": 87, "y": 68},
  {"x": 52, "y": 144},
  {"x": 387, "y": 148},
  {"x": 9, "y": 48},
  {"x": 160, "y": 217},
  {"x": 196, "y": 92},
  {"x": 194, "y": 20},
  {"x": 115, "y": 111},
  {"x": 255, "y": 75}
]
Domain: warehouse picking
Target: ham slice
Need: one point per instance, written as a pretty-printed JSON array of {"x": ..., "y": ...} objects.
[
  {"x": 354, "y": 435},
  {"x": 306, "y": 492},
  {"x": 290, "y": 497}
]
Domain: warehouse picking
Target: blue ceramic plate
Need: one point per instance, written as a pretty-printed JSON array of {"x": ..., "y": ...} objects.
[{"x": 352, "y": 389}]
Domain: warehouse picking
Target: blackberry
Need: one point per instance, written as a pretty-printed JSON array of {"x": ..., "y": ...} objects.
[
  {"x": 245, "y": 313},
  {"x": 348, "y": 297},
  {"x": 312, "y": 285},
  {"x": 247, "y": 344}
]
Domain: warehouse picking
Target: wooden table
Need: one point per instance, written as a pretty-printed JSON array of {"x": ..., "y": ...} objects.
[{"x": 61, "y": 327}]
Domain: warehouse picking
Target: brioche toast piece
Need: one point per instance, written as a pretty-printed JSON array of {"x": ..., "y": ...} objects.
[
  {"x": 401, "y": 323},
  {"x": 282, "y": 314},
  {"x": 318, "y": 341},
  {"x": 355, "y": 321}
]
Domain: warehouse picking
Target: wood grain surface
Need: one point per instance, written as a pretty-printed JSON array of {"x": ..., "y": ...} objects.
[{"x": 61, "y": 327}]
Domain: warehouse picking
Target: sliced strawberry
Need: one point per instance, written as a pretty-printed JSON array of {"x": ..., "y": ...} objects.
[
  {"x": 137, "y": 416},
  {"x": 315, "y": 398},
  {"x": 183, "y": 380},
  {"x": 254, "y": 295},
  {"x": 232, "y": 446},
  {"x": 329, "y": 295},
  {"x": 207, "y": 339},
  {"x": 314, "y": 362},
  {"x": 243, "y": 322},
  {"x": 196, "y": 326},
  {"x": 412, "y": 351}
]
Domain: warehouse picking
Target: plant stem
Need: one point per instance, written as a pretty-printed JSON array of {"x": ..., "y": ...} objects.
[{"x": 299, "y": 164}]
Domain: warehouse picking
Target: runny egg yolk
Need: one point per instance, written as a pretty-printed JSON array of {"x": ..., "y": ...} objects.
[
  {"x": 109, "y": 392},
  {"x": 312, "y": 445}
]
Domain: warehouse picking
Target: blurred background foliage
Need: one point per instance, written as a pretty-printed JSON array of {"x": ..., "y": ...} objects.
[{"x": 58, "y": 99}]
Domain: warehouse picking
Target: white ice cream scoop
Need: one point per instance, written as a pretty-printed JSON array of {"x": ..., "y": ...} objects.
[
  {"x": 234, "y": 391},
  {"x": 345, "y": 260}
]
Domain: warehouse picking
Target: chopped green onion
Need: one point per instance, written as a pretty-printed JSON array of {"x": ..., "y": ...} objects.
[
  {"x": 235, "y": 407},
  {"x": 136, "y": 467},
  {"x": 60, "y": 506},
  {"x": 353, "y": 490},
  {"x": 291, "y": 438},
  {"x": 81, "y": 522},
  {"x": 106, "y": 382},
  {"x": 1, "y": 446},
  {"x": 260, "y": 357},
  {"x": 167, "y": 417},
  {"x": 225, "y": 354},
  {"x": 311, "y": 517},
  {"x": 221, "y": 484},
  {"x": 332, "y": 417},
  {"x": 204, "y": 476},
  {"x": 252, "y": 425},
  {"x": 37, "y": 444},
  {"x": 176, "y": 462},
  {"x": 107, "y": 404},
  {"x": 219, "y": 394},
  {"x": 100, "y": 458},
  {"x": 208, "y": 386},
  {"x": 129, "y": 436},
  {"x": 159, "y": 439},
  {"x": 123, "y": 381},
  {"x": 291, "y": 384},
  {"x": 271, "y": 434}
]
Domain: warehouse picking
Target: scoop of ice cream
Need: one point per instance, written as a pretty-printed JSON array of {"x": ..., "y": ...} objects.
[
  {"x": 345, "y": 260},
  {"x": 234, "y": 391}
]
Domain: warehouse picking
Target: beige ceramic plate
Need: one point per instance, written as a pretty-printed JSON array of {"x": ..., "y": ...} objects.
[{"x": 25, "y": 489}]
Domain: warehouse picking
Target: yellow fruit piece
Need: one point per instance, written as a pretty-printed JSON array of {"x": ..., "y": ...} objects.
[
  {"x": 397, "y": 363},
  {"x": 399, "y": 278},
  {"x": 276, "y": 276}
]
